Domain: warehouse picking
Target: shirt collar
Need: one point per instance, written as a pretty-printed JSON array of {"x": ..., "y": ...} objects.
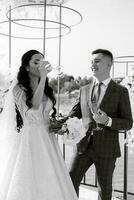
[{"x": 105, "y": 82}]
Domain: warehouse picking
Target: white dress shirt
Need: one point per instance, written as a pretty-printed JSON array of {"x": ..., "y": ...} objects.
[{"x": 102, "y": 93}]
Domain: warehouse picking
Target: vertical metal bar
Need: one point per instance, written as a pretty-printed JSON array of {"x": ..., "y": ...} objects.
[
  {"x": 59, "y": 61},
  {"x": 59, "y": 64},
  {"x": 58, "y": 96},
  {"x": 126, "y": 68},
  {"x": 44, "y": 33},
  {"x": 60, "y": 35},
  {"x": 95, "y": 179},
  {"x": 64, "y": 151},
  {"x": 84, "y": 179},
  {"x": 125, "y": 167},
  {"x": 9, "y": 39},
  {"x": 125, "y": 156},
  {"x": 113, "y": 70}
]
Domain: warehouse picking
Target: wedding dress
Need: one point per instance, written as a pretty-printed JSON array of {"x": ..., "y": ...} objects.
[{"x": 31, "y": 165}]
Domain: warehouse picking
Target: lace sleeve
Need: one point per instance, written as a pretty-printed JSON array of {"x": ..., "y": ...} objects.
[{"x": 18, "y": 94}]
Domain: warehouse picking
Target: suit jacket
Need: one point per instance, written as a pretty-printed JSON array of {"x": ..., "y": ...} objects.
[{"x": 117, "y": 106}]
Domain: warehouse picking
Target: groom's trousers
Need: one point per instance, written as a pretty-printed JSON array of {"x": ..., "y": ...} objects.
[{"x": 104, "y": 169}]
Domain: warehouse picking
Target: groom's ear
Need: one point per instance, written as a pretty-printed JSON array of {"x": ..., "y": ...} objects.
[{"x": 109, "y": 66}]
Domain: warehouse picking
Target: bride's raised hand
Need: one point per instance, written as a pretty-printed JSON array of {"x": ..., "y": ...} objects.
[{"x": 44, "y": 68}]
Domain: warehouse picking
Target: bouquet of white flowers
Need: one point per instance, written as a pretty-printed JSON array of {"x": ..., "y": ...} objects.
[{"x": 74, "y": 131}]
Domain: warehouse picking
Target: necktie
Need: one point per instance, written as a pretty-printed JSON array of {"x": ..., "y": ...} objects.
[{"x": 96, "y": 92}]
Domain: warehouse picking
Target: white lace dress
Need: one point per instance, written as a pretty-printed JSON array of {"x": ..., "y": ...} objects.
[{"x": 36, "y": 170}]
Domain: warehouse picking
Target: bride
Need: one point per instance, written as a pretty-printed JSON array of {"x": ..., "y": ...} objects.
[{"x": 31, "y": 164}]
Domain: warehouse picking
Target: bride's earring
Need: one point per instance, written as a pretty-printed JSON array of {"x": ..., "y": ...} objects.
[{"x": 27, "y": 69}]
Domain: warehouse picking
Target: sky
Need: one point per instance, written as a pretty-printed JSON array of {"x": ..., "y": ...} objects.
[{"x": 106, "y": 24}]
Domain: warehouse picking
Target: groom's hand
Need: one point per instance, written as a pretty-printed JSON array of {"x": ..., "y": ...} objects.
[{"x": 101, "y": 117}]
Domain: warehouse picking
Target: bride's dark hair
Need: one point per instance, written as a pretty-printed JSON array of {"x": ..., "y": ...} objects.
[{"x": 24, "y": 83}]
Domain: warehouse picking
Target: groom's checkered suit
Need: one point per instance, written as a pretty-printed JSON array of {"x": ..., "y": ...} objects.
[{"x": 104, "y": 149}]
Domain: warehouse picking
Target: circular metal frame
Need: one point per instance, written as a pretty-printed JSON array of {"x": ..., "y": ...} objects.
[
  {"x": 120, "y": 59},
  {"x": 124, "y": 60},
  {"x": 63, "y": 7},
  {"x": 52, "y": 37}
]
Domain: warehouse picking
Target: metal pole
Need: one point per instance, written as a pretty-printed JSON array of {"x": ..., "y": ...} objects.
[
  {"x": 95, "y": 179},
  {"x": 44, "y": 33},
  {"x": 60, "y": 36},
  {"x": 125, "y": 167},
  {"x": 59, "y": 62},
  {"x": 126, "y": 68},
  {"x": 113, "y": 71},
  {"x": 9, "y": 39},
  {"x": 84, "y": 179}
]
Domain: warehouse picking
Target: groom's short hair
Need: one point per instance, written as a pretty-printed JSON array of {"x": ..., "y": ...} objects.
[{"x": 105, "y": 52}]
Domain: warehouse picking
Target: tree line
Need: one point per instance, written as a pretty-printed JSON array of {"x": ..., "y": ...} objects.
[{"x": 67, "y": 83}]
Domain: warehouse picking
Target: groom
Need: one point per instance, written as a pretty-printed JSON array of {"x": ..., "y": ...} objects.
[{"x": 100, "y": 146}]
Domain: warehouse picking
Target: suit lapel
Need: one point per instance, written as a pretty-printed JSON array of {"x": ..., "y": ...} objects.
[
  {"x": 89, "y": 91},
  {"x": 109, "y": 91}
]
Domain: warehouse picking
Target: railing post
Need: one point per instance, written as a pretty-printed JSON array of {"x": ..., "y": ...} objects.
[
  {"x": 125, "y": 167},
  {"x": 95, "y": 179},
  {"x": 113, "y": 71},
  {"x": 84, "y": 179},
  {"x": 64, "y": 152}
]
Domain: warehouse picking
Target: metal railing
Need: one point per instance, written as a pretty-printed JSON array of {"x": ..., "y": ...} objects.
[{"x": 125, "y": 191}]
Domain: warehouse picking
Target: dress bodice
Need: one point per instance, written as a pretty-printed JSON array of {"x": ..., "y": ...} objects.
[
  {"x": 40, "y": 115},
  {"x": 32, "y": 115}
]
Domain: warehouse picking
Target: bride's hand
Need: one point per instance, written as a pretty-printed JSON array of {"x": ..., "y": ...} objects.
[{"x": 44, "y": 68}]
